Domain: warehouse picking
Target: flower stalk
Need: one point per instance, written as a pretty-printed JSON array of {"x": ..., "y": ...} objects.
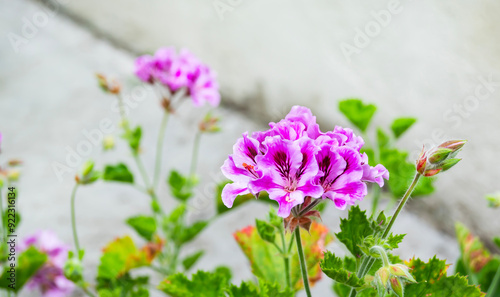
[
  {"x": 73, "y": 219},
  {"x": 303, "y": 264}
]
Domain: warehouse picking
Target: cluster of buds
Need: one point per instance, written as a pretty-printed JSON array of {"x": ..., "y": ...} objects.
[
  {"x": 108, "y": 86},
  {"x": 209, "y": 124},
  {"x": 493, "y": 200},
  {"x": 440, "y": 158},
  {"x": 390, "y": 277}
]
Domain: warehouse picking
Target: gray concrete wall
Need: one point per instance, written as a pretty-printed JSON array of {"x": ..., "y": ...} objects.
[{"x": 427, "y": 61}]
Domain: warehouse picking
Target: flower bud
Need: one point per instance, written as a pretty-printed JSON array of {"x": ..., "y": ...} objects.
[
  {"x": 209, "y": 124},
  {"x": 439, "y": 155},
  {"x": 73, "y": 269},
  {"x": 439, "y": 159},
  {"x": 402, "y": 271},
  {"x": 108, "y": 143},
  {"x": 397, "y": 286},
  {"x": 382, "y": 276},
  {"x": 87, "y": 167},
  {"x": 493, "y": 200},
  {"x": 13, "y": 175}
]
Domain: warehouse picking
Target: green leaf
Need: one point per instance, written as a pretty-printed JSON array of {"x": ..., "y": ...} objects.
[
  {"x": 400, "y": 125},
  {"x": 273, "y": 290},
  {"x": 496, "y": 240},
  {"x": 118, "y": 173},
  {"x": 353, "y": 230},
  {"x": 357, "y": 112},
  {"x": 333, "y": 267},
  {"x": 29, "y": 261},
  {"x": 434, "y": 269},
  {"x": 134, "y": 138},
  {"x": 180, "y": 186},
  {"x": 267, "y": 265},
  {"x": 202, "y": 284},
  {"x": 453, "y": 286},
  {"x": 145, "y": 226},
  {"x": 190, "y": 232},
  {"x": 246, "y": 289},
  {"x": 190, "y": 260},
  {"x": 393, "y": 241},
  {"x": 382, "y": 138},
  {"x": 120, "y": 256},
  {"x": 266, "y": 231}
]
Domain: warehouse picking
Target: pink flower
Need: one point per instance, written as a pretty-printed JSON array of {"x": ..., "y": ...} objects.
[
  {"x": 240, "y": 167},
  {"x": 288, "y": 171},
  {"x": 293, "y": 160},
  {"x": 144, "y": 68},
  {"x": 49, "y": 279},
  {"x": 180, "y": 71}
]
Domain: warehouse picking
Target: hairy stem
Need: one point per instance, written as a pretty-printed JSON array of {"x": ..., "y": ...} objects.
[
  {"x": 375, "y": 199},
  {"x": 159, "y": 149},
  {"x": 73, "y": 219},
  {"x": 194, "y": 156},
  {"x": 367, "y": 262},
  {"x": 286, "y": 258},
  {"x": 383, "y": 254},
  {"x": 303, "y": 266}
]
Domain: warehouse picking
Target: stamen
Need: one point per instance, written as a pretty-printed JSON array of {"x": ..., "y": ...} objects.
[{"x": 248, "y": 167}]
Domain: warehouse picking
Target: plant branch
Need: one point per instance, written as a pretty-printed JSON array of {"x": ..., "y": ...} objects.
[{"x": 302, "y": 260}]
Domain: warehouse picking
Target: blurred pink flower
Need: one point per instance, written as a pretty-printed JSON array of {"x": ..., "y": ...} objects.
[{"x": 49, "y": 279}]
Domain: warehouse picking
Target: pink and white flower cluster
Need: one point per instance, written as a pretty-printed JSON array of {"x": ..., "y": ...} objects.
[
  {"x": 180, "y": 70},
  {"x": 49, "y": 279},
  {"x": 294, "y": 159}
]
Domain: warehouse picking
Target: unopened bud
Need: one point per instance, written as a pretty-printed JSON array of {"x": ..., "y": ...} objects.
[
  {"x": 13, "y": 175},
  {"x": 454, "y": 145},
  {"x": 382, "y": 276},
  {"x": 401, "y": 271},
  {"x": 493, "y": 200},
  {"x": 439, "y": 155},
  {"x": 108, "y": 142},
  {"x": 397, "y": 286},
  {"x": 440, "y": 158},
  {"x": 450, "y": 163},
  {"x": 209, "y": 124},
  {"x": 15, "y": 162},
  {"x": 112, "y": 87},
  {"x": 87, "y": 167}
]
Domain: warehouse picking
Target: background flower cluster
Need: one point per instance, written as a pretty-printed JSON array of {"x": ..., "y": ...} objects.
[
  {"x": 178, "y": 71},
  {"x": 294, "y": 159}
]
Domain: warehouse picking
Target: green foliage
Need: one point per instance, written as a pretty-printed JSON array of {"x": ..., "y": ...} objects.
[
  {"x": 354, "y": 229},
  {"x": 190, "y": 260},
  {"x": 496, "y": 240},
  {"x": 120, "y": 256},
  {"x": 189, "y": 233},
  {"x": 400, "y": 125},
  {"x": 358, "y": 113},
  {"x": 145, "y": 226},
  {"x": 333, "y": 267},
  {"x": 124, "y": 286},
  {"x": 29, "y": 261},
  {"x": 475, "y": 260},
  {"x": 266, "y": 231},
  {"x": 180, "y": 186},
  {"x": 133, "y": 137},
  {"x": 202, "y": 284},
  {"x": 118, "y": 173},
  {"x": 267, "y": 265}
]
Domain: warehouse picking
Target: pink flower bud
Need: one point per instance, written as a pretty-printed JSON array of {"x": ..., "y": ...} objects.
[
  {"x": 440, "y": 158},
  {"x": 401, "y": 271},
  {"x": 397, "y": 286}
]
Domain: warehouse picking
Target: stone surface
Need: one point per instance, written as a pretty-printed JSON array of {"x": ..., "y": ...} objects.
[
  {"x": 412, "y": 58},
  {"x": 48, "y": 96}
]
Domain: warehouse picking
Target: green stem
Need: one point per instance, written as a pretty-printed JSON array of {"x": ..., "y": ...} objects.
[
  {"x": 194, "y": 156},
  {"x": 367, "y": 262},
  {"x": 309, "y": 207},
  {"x": 73, "y": 219},
  {"x": 286, "y": 258},
  {"x": 494, "y": 284},
  {"x": 303, "y": 266},
  {"x": 159, "y": 149},
  {"x": 381, "y": 251},
  {"x": 291, "y": 242}
]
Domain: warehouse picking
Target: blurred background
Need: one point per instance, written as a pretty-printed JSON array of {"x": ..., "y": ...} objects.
[{"x": 438, "y": 61}]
